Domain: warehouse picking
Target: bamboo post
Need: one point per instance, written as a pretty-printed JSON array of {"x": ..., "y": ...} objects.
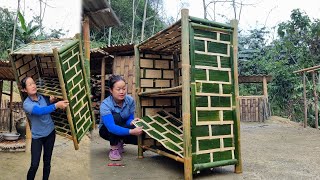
[
  {"x": 137, "y": 97},
  {"x": 238, "y": 166},
  {"x": 315, "y": 99},
  {"x": 1, "y": 88},
  {"x": 186, "y": 94},
  {"x": 176, "y": 80},
  {"x": 11, "y": 99},
  {"x": 86, "y": 37},
  {"x": 103, "y": 78},
  {"x": 86, "y": 74},
  {"x": 305, "y": 100},
  {"x": 65, "y": 97}
]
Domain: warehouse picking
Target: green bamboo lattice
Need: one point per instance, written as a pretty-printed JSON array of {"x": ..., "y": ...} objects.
[
  {"x": 166, "y": 129},
  {"x": 213, "y": 130},
  {"x": 74, "y": 79}
]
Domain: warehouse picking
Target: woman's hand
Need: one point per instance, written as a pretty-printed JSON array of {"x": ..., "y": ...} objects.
[
  {"x": 136, "y": 131},
  {"x": 135, "y": 120},
  {"x": 62, "y": 104},
  {"x": 53, "y": 99}
]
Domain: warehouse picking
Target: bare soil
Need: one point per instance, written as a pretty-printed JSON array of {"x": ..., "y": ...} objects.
[{"x": 275, "y": 149}]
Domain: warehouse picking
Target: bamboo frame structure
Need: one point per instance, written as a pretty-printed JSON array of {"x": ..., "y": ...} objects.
[
  {"x": 57, "y": 67},
  {"x": 304, "y": 77},
  {"x": 190, "y": 71}
]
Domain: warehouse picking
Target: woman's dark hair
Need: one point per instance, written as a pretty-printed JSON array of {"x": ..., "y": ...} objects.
[
  {"x": 23, "y": 82},
  {"x": 113, "y": 79}
]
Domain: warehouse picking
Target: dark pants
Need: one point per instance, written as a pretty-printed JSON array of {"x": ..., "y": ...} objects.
[
  {"x": 114, "y": 139},
  {"x": 36, "y": 148}
]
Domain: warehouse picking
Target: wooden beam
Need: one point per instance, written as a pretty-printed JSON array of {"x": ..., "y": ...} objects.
[
  {"x": 103, "y": 78},
  {"x": 185, "y": 61},
  {"x": 307, "y": 69},
  {"x": 305, "y": 100},
  {"x": 265, "y": 88},
  {"x": 315, "y": 100}
]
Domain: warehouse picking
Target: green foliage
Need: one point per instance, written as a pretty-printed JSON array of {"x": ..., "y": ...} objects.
[
  {"x": 297, "y": 47},
  {"x": 25, "y": 31},
  {"x": 122, "y": 34}
]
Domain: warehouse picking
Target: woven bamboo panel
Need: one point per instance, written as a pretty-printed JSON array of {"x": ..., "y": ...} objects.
[
  {"x": 165, "y": 128},
  {"x": 37, "y": 61},
  {"x": 49, "y": 86},
  {"x": 43, "y": 47},
  {"x": 213, "y": 131},
  {"x": 124, "y": 66},
  {"x": 74, "y": 78},
  {"x": 254, "y": 108}
]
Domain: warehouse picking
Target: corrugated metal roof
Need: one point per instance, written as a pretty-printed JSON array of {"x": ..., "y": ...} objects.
[
  {"x": 100, "y": 13},
  {"x": 6, "y": 71},
  {"x": 43, "y": 47}
]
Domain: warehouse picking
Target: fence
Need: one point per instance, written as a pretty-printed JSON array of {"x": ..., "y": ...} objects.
[
  {"x": 254, "y": 108},
  {"x": 17, "y": 112}
]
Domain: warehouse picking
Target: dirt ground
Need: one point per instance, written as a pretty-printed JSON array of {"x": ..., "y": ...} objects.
[
  {"x": 276, "y": 149},
  {"x": 67, "y": 163}
]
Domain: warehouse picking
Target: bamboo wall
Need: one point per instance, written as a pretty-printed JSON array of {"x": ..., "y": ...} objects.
[
  {"x": 157, "y": 72},
  {"x": 124, "y": 66},
  {"x": 254, "y": 108},
  {"x": 5, "y": 115}
]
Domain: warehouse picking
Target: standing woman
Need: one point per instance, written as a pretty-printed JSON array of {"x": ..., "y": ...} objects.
[
  {"x": 38, "y": 109},
  {"x": 117, "y": 116}
]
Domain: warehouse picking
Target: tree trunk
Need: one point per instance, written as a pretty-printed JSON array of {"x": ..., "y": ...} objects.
[
  {"x": 154, "y": 20},
  {"x": 133, "y": 18},
  {"x": 204, "y": 9},
  {"x": 144, "y": 20},
  {"x": 110, "y": 29},
  {"x": 15, "y": 27}
]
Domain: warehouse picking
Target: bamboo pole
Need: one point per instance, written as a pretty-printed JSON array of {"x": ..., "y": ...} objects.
[
  {"x": 305, "y": 100},
  {"x": 307, "y": 69},
  {"x": 265, "y": 88},
  {"x": 86, "y": 37},
  {"x": 65, "y": 97},
  {"x": 137, "y": 97},
  {"x": 315, "y": 99},
  {"x": 1, "y": 89},
  {"x": 186, "y": 94},
  {"x": 177, "y": 158},
  {"x": 238, "y": 166},
  {"x": 176, "y": 80},
  {"x": 103, "y": 78},
  {"x": 86, "y": 74},
  {"x": 11, "y": 99},
  {"x": 164, "y": 90}
]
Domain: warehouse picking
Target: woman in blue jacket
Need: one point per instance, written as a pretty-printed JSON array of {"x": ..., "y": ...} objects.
[
  {"x": 117, "y": 116},
  {"x": 38, "y": 109}
]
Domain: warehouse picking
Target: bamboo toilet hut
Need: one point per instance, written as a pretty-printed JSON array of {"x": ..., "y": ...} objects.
[
  {"x": 255, "y": 108},
  {"x": 189, "y": 71},
  {"x": 57, "y": 66}
]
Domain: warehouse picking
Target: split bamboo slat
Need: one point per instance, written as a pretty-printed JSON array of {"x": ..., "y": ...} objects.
[{"x": 189, "y": 71}]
